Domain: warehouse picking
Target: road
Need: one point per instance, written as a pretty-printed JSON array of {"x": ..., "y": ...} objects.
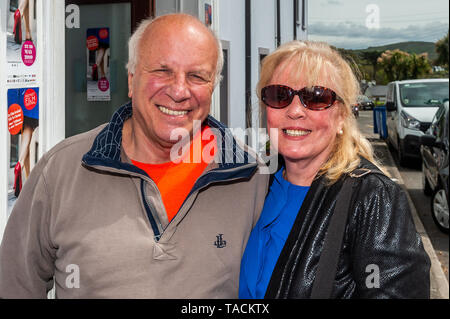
[{"x": 412, "y": 178}]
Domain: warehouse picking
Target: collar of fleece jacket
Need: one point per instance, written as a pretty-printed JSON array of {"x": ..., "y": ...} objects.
[{"x": 107, "y": 145}]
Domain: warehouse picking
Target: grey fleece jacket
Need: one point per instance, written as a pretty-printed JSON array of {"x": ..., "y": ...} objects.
[{"x": 94, "y": 224}]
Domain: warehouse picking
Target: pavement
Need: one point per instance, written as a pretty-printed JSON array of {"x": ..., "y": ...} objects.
[{"x": 439, "y": 288}]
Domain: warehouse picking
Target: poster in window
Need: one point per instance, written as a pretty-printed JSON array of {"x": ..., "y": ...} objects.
[
  {"x": 23, "y": 128},
  {"x": 98, "y": 55},
  {"x": 205, "y": 11},
  {"x": 21, "y": 43}
]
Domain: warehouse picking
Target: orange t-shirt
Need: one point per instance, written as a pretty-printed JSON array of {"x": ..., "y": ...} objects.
[{"x": 175, "y": 180}]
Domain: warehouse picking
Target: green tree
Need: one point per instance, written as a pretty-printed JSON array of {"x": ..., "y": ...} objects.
[
  {"x": 352, "y": 59},
  {"x": 442, "y": 51},
  {"x": 371, "y": 58},
  {"x": 419, "y": 65},
  {"x": 399, "y": 65}
]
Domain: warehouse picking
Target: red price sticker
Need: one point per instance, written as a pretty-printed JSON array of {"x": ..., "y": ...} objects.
[
  {"x": 103, "y": 84},
  {"x": 30, "y": 99},
  {"x": 103, "y": 33},
  {"x": 92, "y": 43},
  {"x": 15, "y": 119}
]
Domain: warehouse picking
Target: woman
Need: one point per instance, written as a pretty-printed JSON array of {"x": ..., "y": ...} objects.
[
  {"x": 307, "y": 90},
  {"x": 23, "y": 12}
]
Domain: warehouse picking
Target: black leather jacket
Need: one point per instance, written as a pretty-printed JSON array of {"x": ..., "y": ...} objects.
[{"x": 380, "y": 231}]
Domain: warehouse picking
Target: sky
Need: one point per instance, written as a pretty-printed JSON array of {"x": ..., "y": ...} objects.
[{"x": 358, "y": 24}]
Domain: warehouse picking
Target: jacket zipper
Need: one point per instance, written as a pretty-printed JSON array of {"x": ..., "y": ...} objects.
[
  {"x": 153, "y": 217},
  {"x": 195, "y": 192}
]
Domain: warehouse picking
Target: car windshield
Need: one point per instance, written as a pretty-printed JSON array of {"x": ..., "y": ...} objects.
[
  {"x": 424, "y": 94},
  {"x": 363, "y": 98}
]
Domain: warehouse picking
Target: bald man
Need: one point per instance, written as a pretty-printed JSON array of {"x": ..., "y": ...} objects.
[{"x": 149, "y": 205}]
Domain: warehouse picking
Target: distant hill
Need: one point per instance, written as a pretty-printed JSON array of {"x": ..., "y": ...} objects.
[{"x": 410, "y": 47}]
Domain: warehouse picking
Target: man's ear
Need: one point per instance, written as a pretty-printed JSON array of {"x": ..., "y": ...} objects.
[{"x": 130, "y": 85}]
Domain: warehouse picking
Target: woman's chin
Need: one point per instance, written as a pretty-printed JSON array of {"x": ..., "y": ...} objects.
[{"x": 293, "y": 155}]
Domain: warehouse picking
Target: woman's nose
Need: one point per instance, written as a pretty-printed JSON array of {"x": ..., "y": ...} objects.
[{"x": 296, "y": 109}]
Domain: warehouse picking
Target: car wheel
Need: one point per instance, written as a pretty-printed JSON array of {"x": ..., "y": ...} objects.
[
  {"x": 425, "y": 184},
  {"x": 400, "y": 154},
  {"x": 439, "y": 209}
]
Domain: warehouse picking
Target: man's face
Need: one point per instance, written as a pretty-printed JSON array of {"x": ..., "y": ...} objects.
[{"x": 173, "y": 81}]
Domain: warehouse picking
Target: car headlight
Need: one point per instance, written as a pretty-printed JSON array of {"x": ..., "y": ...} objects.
[{"x": 409, "y": 122}]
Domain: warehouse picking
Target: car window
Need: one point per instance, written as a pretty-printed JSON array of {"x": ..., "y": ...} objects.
[
  {"x": 389, "y": 94},
  {"x": 438, "y": 124},
  {"x": 441, "y": 124},
  {"x": 434, "y": 123},
  {"x": 424, "y": 94}
]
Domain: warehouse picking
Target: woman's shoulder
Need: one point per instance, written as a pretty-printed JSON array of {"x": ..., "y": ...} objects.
[
  {"x": 376, "y": 193},
  {"x": 370, "y": 174}
]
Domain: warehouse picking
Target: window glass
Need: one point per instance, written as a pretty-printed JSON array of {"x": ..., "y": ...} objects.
[
  {"x": 224, "y": 90},
  {"x": 424, "y": 94},
  {"x": 83, "y": 115}
]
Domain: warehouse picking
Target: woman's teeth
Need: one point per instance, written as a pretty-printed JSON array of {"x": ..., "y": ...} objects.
[
  {"x": 170, "y": 112},
  {"x": 296, "y": 132}
]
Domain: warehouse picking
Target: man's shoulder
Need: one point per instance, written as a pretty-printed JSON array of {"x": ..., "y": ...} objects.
[
  {"x": 67, "y": 154},
  {"x": 75, "y": 145}
]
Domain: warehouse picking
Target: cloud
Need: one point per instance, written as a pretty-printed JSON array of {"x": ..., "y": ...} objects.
[{"x": 349, "y": 35}]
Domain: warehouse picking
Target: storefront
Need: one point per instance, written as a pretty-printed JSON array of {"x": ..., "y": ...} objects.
[{"x": 63, "y": 67}]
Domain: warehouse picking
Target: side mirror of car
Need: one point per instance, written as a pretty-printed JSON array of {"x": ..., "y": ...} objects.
[
  {"x": 390, "y": 106},
  {"x": 430, "y": 140}
]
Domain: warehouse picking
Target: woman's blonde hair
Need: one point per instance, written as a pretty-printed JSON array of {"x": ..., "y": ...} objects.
[{"x": 314, "y": 60}]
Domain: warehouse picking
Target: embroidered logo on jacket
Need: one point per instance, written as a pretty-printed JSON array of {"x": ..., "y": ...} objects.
[{"x": 220, "y": 243}]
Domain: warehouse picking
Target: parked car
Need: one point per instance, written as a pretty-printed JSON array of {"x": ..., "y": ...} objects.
[
  {"x": 364, "y": 103},
  {"x": 410, "y": 107},
  {"x": 434, "y": 151},
  {"x": 355, "y": 110}
]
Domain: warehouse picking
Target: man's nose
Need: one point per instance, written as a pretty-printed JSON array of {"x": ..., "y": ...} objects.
[
  {"x": 296, "y": 110},
  {"x": 179, "y": 90}
]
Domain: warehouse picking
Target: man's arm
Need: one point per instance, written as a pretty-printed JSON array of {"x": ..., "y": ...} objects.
[{"x": 26, "y": 252}]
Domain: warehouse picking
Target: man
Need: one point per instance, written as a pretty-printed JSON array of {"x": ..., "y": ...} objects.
[{"x": 110, "y": 214}]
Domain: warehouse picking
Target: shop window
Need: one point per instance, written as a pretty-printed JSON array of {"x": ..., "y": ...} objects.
[
  {"x": 224, "y": 85},
  {"x": 13, "y": 5}
]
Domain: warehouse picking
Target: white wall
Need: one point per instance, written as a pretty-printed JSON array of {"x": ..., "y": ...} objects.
[
  {"x": 287, "y": 20},
  {"x": 51, "y": 34},
  {"x": 165, "y": 7},
  {"x": 263, "y": 35},
  {"x": 302, "y": 34},
  {"x": 232, "y": 29}
]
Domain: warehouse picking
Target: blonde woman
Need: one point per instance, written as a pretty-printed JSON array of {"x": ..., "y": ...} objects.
[{"x": 307, "y": 90}]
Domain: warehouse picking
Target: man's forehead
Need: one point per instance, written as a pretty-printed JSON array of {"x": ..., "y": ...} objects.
[{"x": 177, "y": 26}]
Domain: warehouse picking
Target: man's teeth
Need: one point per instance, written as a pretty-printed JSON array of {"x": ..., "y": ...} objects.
[
  {"x": 296, "y": 132},
  {"x": 170, "y": 112}
]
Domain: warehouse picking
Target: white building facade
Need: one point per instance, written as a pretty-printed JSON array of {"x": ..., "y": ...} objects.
[{"x": 248, "y": 30}]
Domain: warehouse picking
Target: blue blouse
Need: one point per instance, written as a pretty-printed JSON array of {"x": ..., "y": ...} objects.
[{"x": 269, "y": 236}]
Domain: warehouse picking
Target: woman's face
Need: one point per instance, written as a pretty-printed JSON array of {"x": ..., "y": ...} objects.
[{"x": 303, "y": 135}]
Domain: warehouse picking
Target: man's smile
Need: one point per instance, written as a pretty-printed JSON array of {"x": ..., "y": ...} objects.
[{"x": 172, "y": 112}]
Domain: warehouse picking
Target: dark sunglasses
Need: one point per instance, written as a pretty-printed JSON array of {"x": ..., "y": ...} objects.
[{"x": 316, "y": 98}]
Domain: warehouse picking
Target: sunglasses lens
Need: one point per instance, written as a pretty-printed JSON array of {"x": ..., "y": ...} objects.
[
  {"x": 276, "y": 96},
  {"x": 318, "y": 98}
]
